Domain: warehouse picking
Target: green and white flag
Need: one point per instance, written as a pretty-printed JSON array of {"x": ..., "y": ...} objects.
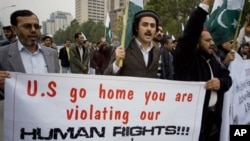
[
  {"x": 84, "y": 37},
  {"x": 108, "y": 32},
  {"x": 223, "y": 21},
  {"x": 132, "y": 7}
]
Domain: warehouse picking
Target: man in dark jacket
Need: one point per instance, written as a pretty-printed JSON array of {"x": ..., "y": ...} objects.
[
  {"x": 193, "y": 61},
  {"x": 141, "y": 58},
  {"x": 64, "y": 56},
  {"x": 79, "y": 56}
]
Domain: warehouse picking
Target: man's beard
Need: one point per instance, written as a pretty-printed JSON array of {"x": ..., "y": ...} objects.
[
  {"x": 27, "y": 42},
  {"x": 157, "y": 38},
  {"x": 204, "y": 53}
]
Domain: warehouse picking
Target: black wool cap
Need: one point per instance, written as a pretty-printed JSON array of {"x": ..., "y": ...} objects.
[{"x": 144, "y": 13}]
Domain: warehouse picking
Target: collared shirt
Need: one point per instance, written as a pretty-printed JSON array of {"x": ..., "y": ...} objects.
[
  {"x": 33, "y": 62},
  {"x": 80, "y": 51},
  {"x": 214, "y": 95},
  {"x": 145, "y": 54},
  {"x": 80, "y": 48},
  {"x": 67, "y": 49}
]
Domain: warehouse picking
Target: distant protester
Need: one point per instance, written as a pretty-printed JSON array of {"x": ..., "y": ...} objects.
[
  {"x": 48, "y": 42},
  {"x": 9, "y": 34}
]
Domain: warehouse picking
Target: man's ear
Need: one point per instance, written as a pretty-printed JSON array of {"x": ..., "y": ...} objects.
[
  {"x": 197, "y": 46},
  {"x": 14, "y": 29},
  {"x": 137, "y": 29}
]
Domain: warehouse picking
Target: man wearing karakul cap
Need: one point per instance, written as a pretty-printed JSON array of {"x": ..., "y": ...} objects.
[{"x": 140, "y": 58}]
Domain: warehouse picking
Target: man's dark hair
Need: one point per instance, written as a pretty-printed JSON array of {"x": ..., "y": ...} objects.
[
  {"x": 141, "y": 14},
  {"x": 7, "y": 27},
  {"x": 46, "y": 37},
  {"x": 18, "y": 13},
  {"x": 165, "y": 39},
  {"x": 245, "y": 44},
  {"x": 77, "y": 35},
  {"x": 67, "y": 40}
]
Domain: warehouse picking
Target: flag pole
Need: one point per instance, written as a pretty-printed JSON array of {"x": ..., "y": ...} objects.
[
  {"x": 237, "y": 30},
  {"x": 105, "y": 34},
  {"x": 105, "y": 28},
  {"x": 124, "y": 29}
]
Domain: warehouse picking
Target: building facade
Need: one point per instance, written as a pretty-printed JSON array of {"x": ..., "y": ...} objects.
[
  {"x": 58, "y": 20},
  {"x": 90, "y": 10}
]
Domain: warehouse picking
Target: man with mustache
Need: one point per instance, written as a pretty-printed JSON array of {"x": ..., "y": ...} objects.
[
  {"x": 162, "y": 62},
  {"x": 26, "y": 55},
  {"x": 140, "y": 58},
  {"x": 158, "y": 37}
]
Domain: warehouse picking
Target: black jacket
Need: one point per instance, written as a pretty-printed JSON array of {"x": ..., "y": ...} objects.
[
  {"x": 63, "y": 56},
  {"x": 191, "y": 65}
]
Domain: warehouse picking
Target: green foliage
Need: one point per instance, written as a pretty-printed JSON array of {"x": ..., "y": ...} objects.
[
  {"x": 172, "y": 13},
  {"x": 93, "y": 31},
  {"x": 246, "y": 8}
]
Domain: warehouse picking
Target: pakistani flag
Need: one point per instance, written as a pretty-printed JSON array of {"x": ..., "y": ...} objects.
[
  {"x": 84, "y": 37},
  {"x": 132, "y": 7},
  {"x": 108, "y": 32},
  {"x": 223, "y": 21}
]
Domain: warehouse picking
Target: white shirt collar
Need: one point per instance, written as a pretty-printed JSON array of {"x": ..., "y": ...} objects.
[{"x": 140, "y": 45}]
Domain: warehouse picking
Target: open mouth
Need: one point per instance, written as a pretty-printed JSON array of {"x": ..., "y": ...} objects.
[{"x": 148, "y": 34}]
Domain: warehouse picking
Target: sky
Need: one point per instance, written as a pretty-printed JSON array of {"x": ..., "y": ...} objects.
[{"x": 42, "y": 8}]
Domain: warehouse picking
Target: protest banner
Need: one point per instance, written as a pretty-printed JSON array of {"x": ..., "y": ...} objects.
[
  {"x": 101, "y": 108},
  {"x": 236, "y": 106}
]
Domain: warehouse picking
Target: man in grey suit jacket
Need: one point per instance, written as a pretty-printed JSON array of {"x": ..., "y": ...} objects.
[
  {"x": 79, "y": 56},
  {"x": 141, "y": 58},
  {"x": 25, "y": 55}
]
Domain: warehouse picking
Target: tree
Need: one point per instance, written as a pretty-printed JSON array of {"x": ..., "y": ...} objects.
[
  {"x": 172, "y": 13},
  {"x": 92, "y": 30},
  {"x": 61, "y": 35}
]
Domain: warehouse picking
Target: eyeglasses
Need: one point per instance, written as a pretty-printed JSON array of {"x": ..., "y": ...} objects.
[{"x": 30, "y": 26}]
